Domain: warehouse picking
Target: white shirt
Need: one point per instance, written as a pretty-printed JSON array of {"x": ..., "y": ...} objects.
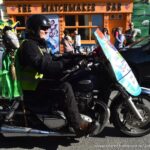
[{"x": 77, "y": 40}]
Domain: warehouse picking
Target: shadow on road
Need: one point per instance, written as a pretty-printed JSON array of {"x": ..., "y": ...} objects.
[
  {"x": 50, "y": 142},
  {"x": 31, "y": 142},
  {"x": 111, "y": 132}
]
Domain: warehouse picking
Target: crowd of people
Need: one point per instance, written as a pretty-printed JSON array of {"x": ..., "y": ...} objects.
[
  {"x": 124, "y": 39},
  {"x": 70, "y": 45},
  {"x": 120, "y": 39}
]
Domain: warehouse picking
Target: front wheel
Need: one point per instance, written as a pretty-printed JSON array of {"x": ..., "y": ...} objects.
[{"x": 124, "y": 119}]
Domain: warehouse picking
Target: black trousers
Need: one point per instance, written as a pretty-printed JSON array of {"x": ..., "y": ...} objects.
[
  {"x": 70, "y": 105},
  {"x": 66, "y": 100}
]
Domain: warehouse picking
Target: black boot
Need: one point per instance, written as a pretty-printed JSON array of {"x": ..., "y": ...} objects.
[{"x": 88, "y": 128}]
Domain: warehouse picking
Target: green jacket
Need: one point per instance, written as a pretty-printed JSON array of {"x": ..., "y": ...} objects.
[{"x": 9, "y": 88}]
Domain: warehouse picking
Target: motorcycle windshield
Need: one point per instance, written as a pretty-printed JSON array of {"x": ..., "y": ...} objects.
[{"x": 122, "y": 71}]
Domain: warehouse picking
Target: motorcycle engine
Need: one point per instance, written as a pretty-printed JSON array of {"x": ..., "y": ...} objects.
[
  {"x": 55, "y": 121},
  {"x": 84, "y": 94}
]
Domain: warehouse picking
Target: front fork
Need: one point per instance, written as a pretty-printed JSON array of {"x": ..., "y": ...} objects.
[{"x": 129, "y": 101}]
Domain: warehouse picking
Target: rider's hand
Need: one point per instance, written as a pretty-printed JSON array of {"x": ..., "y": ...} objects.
[
  {"x": 83, "y": 63},
  {"x": 57, "y": 56},
  {"x": 67, "y": 63}
]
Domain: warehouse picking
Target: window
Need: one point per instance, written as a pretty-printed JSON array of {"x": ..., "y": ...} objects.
[
  {"x": 97, "y": 20},
  {"x": 85, "y": 24},
  {"x": 21, "y": 20},
  {"x": 70, "y": 20},
  {"x": 83, "y": 20},
  {"x": 141, "y": 43},
  {"x": 120, "y": 16},
  {"x": 116, "y": 16},
  {"x": 84, "y": 33}
]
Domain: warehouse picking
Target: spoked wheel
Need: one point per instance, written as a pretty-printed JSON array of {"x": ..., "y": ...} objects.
[{"x": 126, "y": 121}]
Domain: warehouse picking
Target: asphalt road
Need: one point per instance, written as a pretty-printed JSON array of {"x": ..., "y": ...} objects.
[{"x": 109, "y": 139}]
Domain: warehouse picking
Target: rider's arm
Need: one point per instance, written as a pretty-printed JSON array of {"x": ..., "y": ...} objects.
[{"x": 30, "y": 55}]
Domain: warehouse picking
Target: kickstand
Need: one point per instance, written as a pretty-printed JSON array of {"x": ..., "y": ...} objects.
[{"x": 11, "y": 112}]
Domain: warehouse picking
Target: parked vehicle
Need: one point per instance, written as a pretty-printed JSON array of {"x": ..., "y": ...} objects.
[
  {"x": 93, "y": 83},
  {"x": 138, "y": 57}
]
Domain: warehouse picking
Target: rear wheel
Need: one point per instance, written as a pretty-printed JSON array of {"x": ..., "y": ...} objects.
[{"x": 126, "y": 121}]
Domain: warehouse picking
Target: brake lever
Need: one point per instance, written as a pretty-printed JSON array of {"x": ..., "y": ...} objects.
[{"x": 90, "y": 64}]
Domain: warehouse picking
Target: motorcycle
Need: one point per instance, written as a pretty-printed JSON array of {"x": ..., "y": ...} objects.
[{"x": 93, "y": 83}]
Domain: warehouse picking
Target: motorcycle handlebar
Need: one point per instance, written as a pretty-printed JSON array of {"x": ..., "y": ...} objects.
[
  {"x": 84, "y": 61},
  {"x": 75, "y": 68},
  {"x": 79, "y": 66}
]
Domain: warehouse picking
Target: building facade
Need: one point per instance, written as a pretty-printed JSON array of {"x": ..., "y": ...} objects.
[{"x": 82, "y": 15}]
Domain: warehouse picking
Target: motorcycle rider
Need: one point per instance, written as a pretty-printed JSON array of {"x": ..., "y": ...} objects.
[{"x": 36, "y": 62}]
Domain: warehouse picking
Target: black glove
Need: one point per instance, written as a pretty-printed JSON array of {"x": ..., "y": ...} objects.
[
  {"x": 83, "y": 63},
  {"x": 57, "y": 57},
  {"x": 67, "y": 63}
]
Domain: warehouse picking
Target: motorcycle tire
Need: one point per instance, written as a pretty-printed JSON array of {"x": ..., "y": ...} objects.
[{"x": 124, "y": 119}]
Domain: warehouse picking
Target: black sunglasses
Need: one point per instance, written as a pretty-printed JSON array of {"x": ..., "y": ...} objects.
[{"x": 44, "y": 28}]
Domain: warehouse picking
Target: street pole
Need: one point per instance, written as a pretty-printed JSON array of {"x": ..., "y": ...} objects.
[{"x": 1, "y": 10}]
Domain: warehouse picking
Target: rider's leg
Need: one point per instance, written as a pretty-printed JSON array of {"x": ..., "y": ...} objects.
[
  {"x": 70, "y": 105},
  {"x": 72, "y": 112}
]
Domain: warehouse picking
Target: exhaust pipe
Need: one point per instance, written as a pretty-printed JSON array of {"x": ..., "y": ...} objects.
[{"x": 24, "y": 131}]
